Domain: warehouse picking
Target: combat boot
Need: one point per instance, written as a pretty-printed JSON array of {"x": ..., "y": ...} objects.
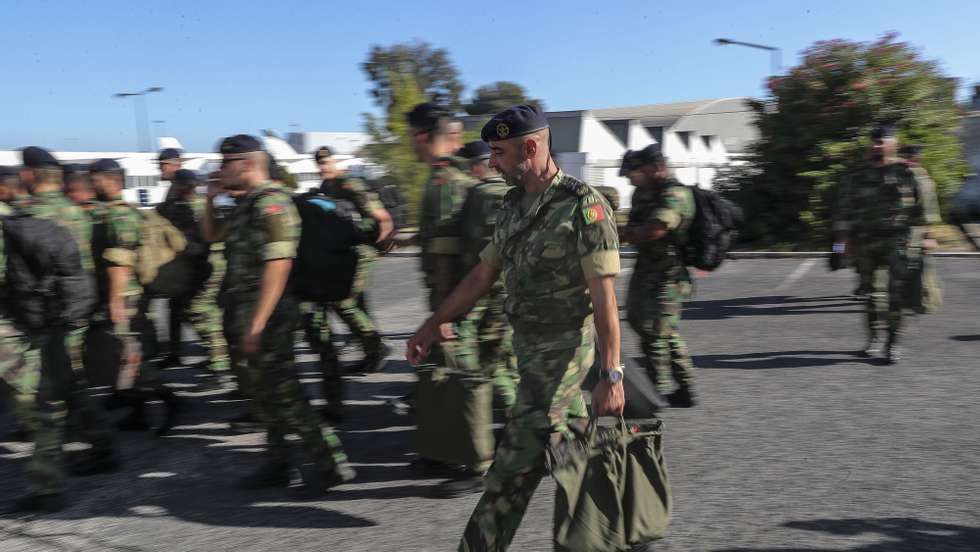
[
  {"x": 683, "y": 397},
  {"x": 270, "y": 474},
  {"x": 893, "y": 350},
  {"x": 465, "y": 483},
  {"x": 36, "y": 504},
  {"x": 316, "y": 482},
  {"x": 135, "y": 420},
  {"x": 875, "y": 345},
  {"x": 173, "y": 406},
  {"x": 170, "y": 361},
  {"x": 95, "y": 462},
  {"x": 373, "y": 362}
]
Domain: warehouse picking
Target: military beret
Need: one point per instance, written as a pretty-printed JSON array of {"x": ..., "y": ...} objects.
[
  {"x": 185, "y": 177},
  {"x": 168, "y": 154},
  {"x": 883, "y": 131},
  {"x": 910, "y": 151},
  {"x": 75, "y": 169},
  {"x": 512, "y": 122},
  {"x": 475, "y": 151},
  {"x": 239, "y": 144},
  {"x": 104, "y": 165},
  {"x": 426, "y": 116},
  {"x": 629, "y": 163},
  {"x": 7, "y": 171},
  {"x": 321, "y": 152},
  {"x": 650, "y": 154},
  {"x": 36, "y": 158}
]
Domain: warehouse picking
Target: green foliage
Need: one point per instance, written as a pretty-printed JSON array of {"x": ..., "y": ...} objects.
[
  {"x": 391, "y": 141},
  {"x": 814, "y": 126},
  {"x": 493, "y": 98},
  {"x": 430, "y": 68}
]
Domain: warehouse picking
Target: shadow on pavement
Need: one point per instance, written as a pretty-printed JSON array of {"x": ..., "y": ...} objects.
[
  {"x": 779, "y": 359},
  {"x": 902, "y": 534},
  {"x": 769, "y": 305},
  {"x": 965, "y": 337}
]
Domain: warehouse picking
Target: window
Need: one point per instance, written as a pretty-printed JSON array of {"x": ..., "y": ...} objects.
[
  {"x": 685, "y": 138},
  {"x": 620, "y": 129},
  {"x": 657, "y": 133},
  {"x": 707, "y": 139}
]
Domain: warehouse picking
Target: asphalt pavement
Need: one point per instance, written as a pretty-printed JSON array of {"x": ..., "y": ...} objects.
[{"x": 798, "y": 444}]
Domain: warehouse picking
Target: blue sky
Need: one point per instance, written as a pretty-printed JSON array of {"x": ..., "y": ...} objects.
[{"x": 241, "y": 66}]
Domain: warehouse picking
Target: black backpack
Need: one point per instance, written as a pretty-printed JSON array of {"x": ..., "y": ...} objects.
[
  {"x": 392, "y": 199},
  {"x": 326, "y": 259},
  {"x": 713, "y": 230},
  {"x": 46, "y": 284}
]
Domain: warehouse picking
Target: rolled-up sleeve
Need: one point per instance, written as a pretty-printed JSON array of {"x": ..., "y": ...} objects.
[
  {"x": 491, "y": 256},
  {"x": 598, "y": 238},
  {"x": 280, "y": 224}
]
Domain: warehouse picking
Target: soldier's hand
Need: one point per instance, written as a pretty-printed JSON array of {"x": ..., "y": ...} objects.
[
  {"x": 608, "y": 399},
  {"x": 930, "y": 244},
  {"x": 250, "y": 343},
  {"x": 425, "y": 337}
]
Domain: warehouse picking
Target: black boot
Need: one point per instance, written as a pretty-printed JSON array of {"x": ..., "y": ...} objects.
[
  {"x": 316, "y": 483},
  {"x": 136, "y": 419},
  {"x": 173, "y": 405},
  {"x": 683, "y": 397},
  {"x": 875, "y": 345},
  {"x": 893, "y": 350},
  {"x": 465, "y": 483},
  {"x": 95, "y": 462},
  {"x": 36, "y": 504}
]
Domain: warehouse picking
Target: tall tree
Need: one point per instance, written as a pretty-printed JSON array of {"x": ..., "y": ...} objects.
[
  {"x": 430, "y": 68},
  {"x": 493, "y": 98},
  {"x": 391, "y": 140},
  {"x": 814, "y": 128}
]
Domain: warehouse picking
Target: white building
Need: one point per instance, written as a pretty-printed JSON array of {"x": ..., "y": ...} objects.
[{"x": 697, "y": 139}]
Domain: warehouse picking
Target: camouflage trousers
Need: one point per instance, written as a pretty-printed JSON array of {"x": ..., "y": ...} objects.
[
  {"x": 272, "y": 383},
  {"x": 653, "y": 309},
  {"x": 316, "y": 330},
  {"x": 882, "y": 266},
  {"x": 200, "y": 309},
  {"x": 353, "y": 310},
  {"x": 494, "y": 338},
  {"x": 552, "y": 365}
]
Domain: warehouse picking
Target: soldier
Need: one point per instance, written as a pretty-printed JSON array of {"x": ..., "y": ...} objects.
[
  {"x": 41, "y": 176},
  {"x": 479, "y": 217},
  {"x": 881, "y": 216},
  {"x": 338, "y": 185},
  {"x": 78, "y": 187},
  {"x": 169, "y": 162},
  {"x": 184, "y": 209},
  {"x": 556, "y": 245},
  {"x": 440, "y": 236},
  {"x": 121, "y": 301},
  {"x": 261, "y": 237},
  {"x": 8, "y": 185},
  {"x": 662, "y": 210}
]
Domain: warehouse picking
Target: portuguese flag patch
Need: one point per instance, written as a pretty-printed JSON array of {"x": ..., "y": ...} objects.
[{"x": 594, "y": 213}]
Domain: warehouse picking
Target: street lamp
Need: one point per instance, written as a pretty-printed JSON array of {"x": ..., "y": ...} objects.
[
  {"x": 162, "y": 127},
  {"x": 776, "y": 53},
  {"x": 140, "y": 113}
]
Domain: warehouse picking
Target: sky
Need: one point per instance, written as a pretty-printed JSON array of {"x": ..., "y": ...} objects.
[{"x": 229, "y": 67}]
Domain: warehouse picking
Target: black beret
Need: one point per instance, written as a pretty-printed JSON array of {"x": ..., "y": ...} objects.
[
  {"x": 633, "y": 160},
  {"x": 104, "y": 165},
  {"x": 36, "y": 158},
  {"x": 515, "y": 121},
  {"x": 475, "y": 151},
  {"x": 426, "y": 116},
  {"x": 168, "y": 154},
  {"x": 910, "y": 151},
  {"x": 7, "y": 171},
  {"x": 321, "y": 152},
  {"x": 75, "y": 169},
  {"x": 883, "y": 131},
  {"x": 629, "y": 163},
  {"x": 238, "y": 144},
  {"x": 185, "y": 177}
]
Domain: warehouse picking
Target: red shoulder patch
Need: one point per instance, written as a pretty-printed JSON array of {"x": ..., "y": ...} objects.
[
  {"x": 273, "y": 209},
  {"x": 594, "y": 213}
]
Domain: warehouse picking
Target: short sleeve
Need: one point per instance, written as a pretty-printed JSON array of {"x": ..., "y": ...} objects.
[
  {"x": 491, "y": 256},
  {"x": 279, "y": 221},
  {"x": 671, "y": 214},
  {"x": 122, "y": 237},
  {"x": 598, "y": 238},
  {"x": 364, "y": 198}
]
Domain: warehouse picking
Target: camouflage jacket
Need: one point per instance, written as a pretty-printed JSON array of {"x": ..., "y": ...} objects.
[
  {"x": 116, "y": 243},
  {"x": 58, "y": 208},
  {"x": 264, "y": 226},
  {"x": 881, "y": 204},
  {"x": 478, "y": 217},
  {"x": 439, "y": 219},
  {"x": 361, "y": 195},
  {"x": 671, "y": 203},
  {"x": 547, "y": 254}
]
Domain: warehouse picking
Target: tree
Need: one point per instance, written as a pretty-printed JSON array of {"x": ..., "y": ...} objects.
[
  {"x": 814, "y": 129},
  {"x": 430, "y": 68},
  {"x": 391, "y": 140},
  {"x": 493, "y": 98}
]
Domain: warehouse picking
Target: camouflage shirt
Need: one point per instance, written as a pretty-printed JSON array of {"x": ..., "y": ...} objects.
[
  {"x": 548, "y": 254},
  {"x": 117, "y": 243},
  {"x": 671, "y": 203},
  {"x": 355, "y": 191},
  {"x": 880, "y": 203},
  {"x": 58, "y": 208},
  {"x": 442, "y": 201},
  {"x": 264, "y": 226},
  {"x": 479, "y": 216}
]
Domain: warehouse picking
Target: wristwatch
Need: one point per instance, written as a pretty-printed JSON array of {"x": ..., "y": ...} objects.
[{"x": 614, "y": 375}]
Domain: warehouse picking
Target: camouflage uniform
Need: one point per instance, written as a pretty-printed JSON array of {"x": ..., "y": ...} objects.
[
  {"x": 63, "y": 348},
  {"x": 440, "y": 236},
  {"x": 351, "y": 310},
  {"x": 661, "y": 282},
  {"x": 264, "y": 227},
  {"x": 548, "y": 247},
  {"x": 36, "y": 409},
  {"x": 882, "y": 211},
  {"x": 200, "y": 306},
  {"x": 494, "y": 334}
]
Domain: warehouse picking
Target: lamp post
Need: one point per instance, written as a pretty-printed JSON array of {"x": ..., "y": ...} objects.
[
  {"x": 776, "y": 55},
  {"x": 140, "y": 113},
  {"x": 161, "y": 128}
]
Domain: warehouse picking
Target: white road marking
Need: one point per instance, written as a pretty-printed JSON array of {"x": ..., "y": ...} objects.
[{"x": 800, "y": 271}]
